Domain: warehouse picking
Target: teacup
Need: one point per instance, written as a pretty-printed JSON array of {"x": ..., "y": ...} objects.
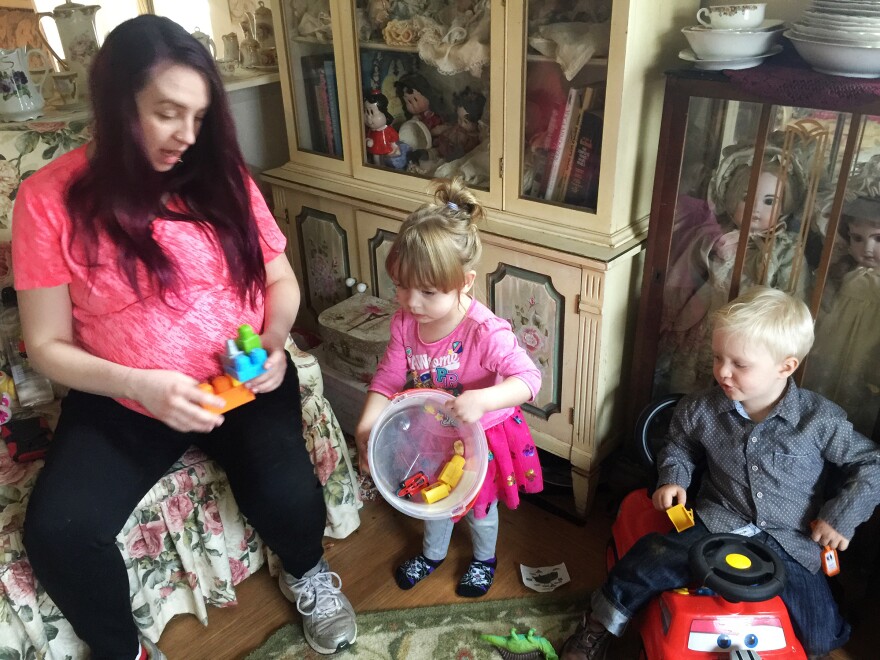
[
  {"x": 227, "y": 66},
  {"x": 65, "y": 84},
  {"x": 268, "y": 57},
  {"x": 732, "y": 17}
]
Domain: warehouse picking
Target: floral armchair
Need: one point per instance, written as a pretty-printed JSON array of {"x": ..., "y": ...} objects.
[{"x": 185, "y": 546}]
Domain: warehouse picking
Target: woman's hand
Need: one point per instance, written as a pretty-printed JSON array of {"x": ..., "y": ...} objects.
[
  {"x": 176, "y": 399},
  {"x": 668, "y": 495},
  {"x": 276, "y": 367}
]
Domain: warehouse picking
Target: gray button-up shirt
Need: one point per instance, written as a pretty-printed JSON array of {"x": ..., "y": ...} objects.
[{"x": 772, "y": 474}]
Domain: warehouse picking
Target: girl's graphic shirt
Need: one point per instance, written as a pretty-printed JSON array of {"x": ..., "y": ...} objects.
[{"x": 481, "y": 352}]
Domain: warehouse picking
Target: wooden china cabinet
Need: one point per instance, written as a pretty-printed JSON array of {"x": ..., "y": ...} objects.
[
  {"x": 563, "y": 253},
  {"x": 719, "y": 146}
]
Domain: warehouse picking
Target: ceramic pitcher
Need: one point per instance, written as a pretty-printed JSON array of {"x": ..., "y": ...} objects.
[
  {"x": 21, "y": 98},
  {"x": 79, "y": 39},
  {"x": 230, "y": 47},
  {"x": 264, "y": 30}
]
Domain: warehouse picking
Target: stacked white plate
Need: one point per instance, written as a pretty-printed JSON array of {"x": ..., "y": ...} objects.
[{"x": 840, "y": 37}]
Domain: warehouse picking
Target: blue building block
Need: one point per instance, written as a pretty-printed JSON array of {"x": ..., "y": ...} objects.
[{"x": 243, "y": 365}]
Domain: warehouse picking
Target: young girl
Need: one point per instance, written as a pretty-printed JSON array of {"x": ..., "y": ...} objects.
[
  {"x": 432, "y": 264},
  {"x": 843, "y": 365}
]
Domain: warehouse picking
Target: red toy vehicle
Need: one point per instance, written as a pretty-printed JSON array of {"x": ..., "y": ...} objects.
[
  {"x": 737, "y": 614},
  {"x": 412, "y": 485}
]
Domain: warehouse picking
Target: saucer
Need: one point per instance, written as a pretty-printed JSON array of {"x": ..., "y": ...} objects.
[
  {"x": 734, "y": 63},
  {"x": 64, "y": 107},
  {"x": 768, "y": 24}
]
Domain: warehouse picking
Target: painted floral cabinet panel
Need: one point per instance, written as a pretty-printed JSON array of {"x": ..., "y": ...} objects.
[{"x": 537, "y": 297}]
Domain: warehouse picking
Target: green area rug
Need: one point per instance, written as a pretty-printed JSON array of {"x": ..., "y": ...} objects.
[{"x": 442, "y": 632}]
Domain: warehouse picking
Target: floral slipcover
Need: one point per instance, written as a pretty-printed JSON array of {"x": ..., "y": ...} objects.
[
  {"x": 25, "y": 146},
  {"x": 185, "y": 546}
]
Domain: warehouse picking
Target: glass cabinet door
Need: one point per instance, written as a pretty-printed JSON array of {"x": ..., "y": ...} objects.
[
  {"x": 314, "y": 71},
  {"x": 786, "y": 197},
  {"x": 424, "y": 89},
  {"x": 564, "y": 98}
]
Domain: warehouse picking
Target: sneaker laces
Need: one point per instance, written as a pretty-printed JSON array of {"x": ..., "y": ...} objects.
[
  {"x": 588, "y": 640},
  {"x": 321, "y": 589}
]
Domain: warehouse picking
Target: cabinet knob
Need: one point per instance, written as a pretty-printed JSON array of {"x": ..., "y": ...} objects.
[{"x": 357, "y": 287}]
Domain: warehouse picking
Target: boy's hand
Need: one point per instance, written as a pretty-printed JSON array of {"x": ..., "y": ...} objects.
[
  {"x": 668, "y": 495},
  {"x": 824, "y": 534}
]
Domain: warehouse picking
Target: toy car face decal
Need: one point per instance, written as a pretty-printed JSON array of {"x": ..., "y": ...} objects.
[{"x": 736, "y": 632}]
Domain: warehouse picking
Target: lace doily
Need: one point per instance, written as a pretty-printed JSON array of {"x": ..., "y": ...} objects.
[{"x": 788, "y": 80}]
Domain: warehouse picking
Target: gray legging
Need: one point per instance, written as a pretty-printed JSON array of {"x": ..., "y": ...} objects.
[{"x": 106, "y": 457}]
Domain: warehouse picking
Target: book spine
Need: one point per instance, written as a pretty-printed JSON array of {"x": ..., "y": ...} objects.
[
  {"x": 333, "y": 99},
  {"x": 310, "y": 87},
  {"x": 324, "y": 110},
  {"x": 542, "y": 155},
  {"x": 568, "y": 157},
  {"x": 583, "y": 182},
  {"x": 560, "y": 145}
]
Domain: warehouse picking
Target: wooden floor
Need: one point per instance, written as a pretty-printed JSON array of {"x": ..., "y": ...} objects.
[{"x": 366, "y": 560}]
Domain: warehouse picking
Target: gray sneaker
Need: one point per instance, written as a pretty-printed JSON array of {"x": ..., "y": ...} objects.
[
  {"x": 327, "y": 616},
  {"x": 153, "y": 652}
]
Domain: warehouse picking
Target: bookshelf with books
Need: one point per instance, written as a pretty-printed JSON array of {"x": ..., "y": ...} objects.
[
  {"x": 565, "y": 186},
  {"x": 564, "y": 133}
]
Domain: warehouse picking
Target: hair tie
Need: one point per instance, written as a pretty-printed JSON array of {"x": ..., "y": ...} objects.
[{"x": 453, "y": 206}]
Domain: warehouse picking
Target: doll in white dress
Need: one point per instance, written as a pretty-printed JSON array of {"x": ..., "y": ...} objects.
[
  {"x": 705, "y": 242},
  {"x": 844, "y": 364}
]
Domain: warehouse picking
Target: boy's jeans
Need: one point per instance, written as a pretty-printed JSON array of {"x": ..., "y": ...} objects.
[{"x": 658, "y": 563}]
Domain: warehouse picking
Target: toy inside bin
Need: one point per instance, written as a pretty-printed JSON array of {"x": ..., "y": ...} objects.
[{"x": 414, "y": 434}]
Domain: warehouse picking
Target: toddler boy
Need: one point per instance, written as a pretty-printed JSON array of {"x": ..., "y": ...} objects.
[{"x": 766, "y": 444}]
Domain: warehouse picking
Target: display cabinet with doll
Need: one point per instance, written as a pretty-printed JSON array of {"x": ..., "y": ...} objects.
[
  {"x": 464, "y": 136},
  {"x": 706, "y": 237},
  {"x": 844, "y": 361}
]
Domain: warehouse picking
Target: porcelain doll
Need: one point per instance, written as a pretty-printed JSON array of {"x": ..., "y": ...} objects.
[
  {"x": 419, "y": 101},
  {"x": 843, "y": 364},
  {"x": 464, "y": 136},
  {"x": 705, "y": 242},
  {"x": 381, "y": 138}
]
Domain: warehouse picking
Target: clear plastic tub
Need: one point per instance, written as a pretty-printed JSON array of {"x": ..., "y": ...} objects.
[{"x": 414, "y": 434}]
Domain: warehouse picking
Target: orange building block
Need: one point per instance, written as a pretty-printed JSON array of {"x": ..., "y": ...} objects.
[{"x": 235, "y": 393}]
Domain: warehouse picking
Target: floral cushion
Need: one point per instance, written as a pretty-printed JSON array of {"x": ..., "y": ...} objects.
[{"x": 185, "y": 546}]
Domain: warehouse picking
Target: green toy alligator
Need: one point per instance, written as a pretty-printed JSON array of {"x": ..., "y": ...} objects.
[{"x": 522, "y": 647}]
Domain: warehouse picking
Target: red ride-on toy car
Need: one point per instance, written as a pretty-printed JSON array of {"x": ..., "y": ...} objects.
[{"x": 734, "y": 611}]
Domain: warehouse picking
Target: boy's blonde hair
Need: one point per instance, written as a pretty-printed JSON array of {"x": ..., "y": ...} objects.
[
  {"x": 776, "y": 320},
  {"x": 439, "y": 242}
]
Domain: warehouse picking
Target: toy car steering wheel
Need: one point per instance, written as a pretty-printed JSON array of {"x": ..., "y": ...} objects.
[{"x": 738, "y": 568}]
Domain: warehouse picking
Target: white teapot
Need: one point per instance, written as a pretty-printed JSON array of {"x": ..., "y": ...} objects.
[
  {"x": 206, "y": 41},
  {"x": 79, "y": 38},
  {"x": 21, "y": 98}
]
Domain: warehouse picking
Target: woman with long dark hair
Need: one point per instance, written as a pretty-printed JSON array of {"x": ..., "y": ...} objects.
[{"x": 136, "y": 256}]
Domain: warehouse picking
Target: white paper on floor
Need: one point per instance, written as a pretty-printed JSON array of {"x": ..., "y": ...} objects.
[{"x": 544, "y": 578}]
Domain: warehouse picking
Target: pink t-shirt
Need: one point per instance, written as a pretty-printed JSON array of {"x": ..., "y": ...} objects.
[
  {"x": 481, "y": 352},
  {"x": 187, "y": 332}
]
